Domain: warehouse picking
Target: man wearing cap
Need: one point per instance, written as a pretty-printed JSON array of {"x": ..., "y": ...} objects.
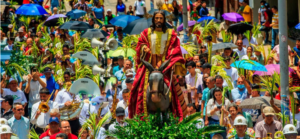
[
  {"x": 53, "y": 128},
  {"x": 13, "y": 90},
  {"x": 121, "y": 73},
  {"x": 6, "y": 107},
  {"x": 290, "y": 131},
  {"x": 129, "y": 75},
  {"x": 11, "y": 33},
  {"x": 19, "y": 124},
  {"x": 268, "y": 125},
  {"x": 108, "y": 17},
  {"x": 21, "y": 36},
  {"x": 50, "y": 81},
  {"x": 240, "y": 126},
  {"x": 6, "y": 132},
  {"x": 33, "y": 86},
  {"x": 120, "y": 115},
  {"x": 38, "y": 116},
  {"x": 120, "y": 64}
]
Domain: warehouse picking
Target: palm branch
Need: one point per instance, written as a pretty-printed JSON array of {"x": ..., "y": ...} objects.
[
  {"x": 40, "y": 26},
  {"x": 190, "y": 48},
  {"x": 32, "y": 134},
  {"x": 227, "y": 36},
  {"x": 255, "y": 30},
  {"x": 192, "y": 118}
]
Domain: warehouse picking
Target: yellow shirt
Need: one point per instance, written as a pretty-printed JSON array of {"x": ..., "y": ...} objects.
[
  {"x": 167, "y": 7},
  {"x": 247, "y": 17},
  {"x": 158, "y": 41}
]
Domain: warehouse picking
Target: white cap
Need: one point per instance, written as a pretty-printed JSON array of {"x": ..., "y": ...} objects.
[
  {"x": 12, "y": 79},
  {"x": 289, "y": 129},
  {"x": 5, "y": 129},
  {"x": 3, "y": 121},
  {"x": 108, "y": 10},
  {"x": 240, "y": 120}
]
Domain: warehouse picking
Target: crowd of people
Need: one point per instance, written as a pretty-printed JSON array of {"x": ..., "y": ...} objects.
[{"x": 215, "y": 95}]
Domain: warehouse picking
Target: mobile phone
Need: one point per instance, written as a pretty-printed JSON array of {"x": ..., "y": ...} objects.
[{"x": 219, "y": 107}]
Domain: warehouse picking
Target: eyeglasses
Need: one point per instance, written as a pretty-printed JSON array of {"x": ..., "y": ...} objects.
[
  {"x": 198, "y": 66},
  {"x": 20, "y": 109}
]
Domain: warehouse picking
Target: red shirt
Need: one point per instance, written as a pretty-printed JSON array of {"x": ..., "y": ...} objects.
[
  {"x": 26, "y": 2},
  {"x": 70, "y": 136},
  {"x": 46, "y": 134}
]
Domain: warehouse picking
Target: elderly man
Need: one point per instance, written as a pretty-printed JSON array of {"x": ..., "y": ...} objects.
[
  {"x": 13, "y": 90},
  {"x": 19, "y": 123},
  {"x": 242, "y": 91},
  {"x": 121, "y": 73},
  {"x": 21, "y": 36},
  {"x": 53, "y": 128},
  {"x": 241, "y": 51},
  {"x": 6, "y": 107},
  {"x": 6, "y": 132},
  {"x": 41, "y": 118},
  {"x": 65, "y": 128},
  {"x": 268, "y": 125}
]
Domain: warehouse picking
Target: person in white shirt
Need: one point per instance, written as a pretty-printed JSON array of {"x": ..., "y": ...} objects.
[
  {"x": 33, "y": 86},
  {"x": 231, "y": 72},
  {"x": 38, "y": 117},
  {"x": 124, "y": 103},
  {"x": 120, "y": 116},
  {"x": 241, "y": 51},
  {"x": 10, "y": 45},
  {"x": 139, "y": 8},
  {"x": 193, "y": 80},
  {"x": 65, "y": 98},
  {"x": 13, "y": 90},
  {"x": 250, "y": 55}
]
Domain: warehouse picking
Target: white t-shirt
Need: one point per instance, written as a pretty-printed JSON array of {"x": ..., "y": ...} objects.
[
  {"x": 19, "y": 95},
  {"x": 252, "y": 41},
  {"x": 262, "y": 17},
  {"x": 233, "y": 74},
  {"x": 139, "y": 7},
  {"x": 241, "y": 53},
  {"x": 34, "y": 95},
  {"x": 191, "y": 81}
]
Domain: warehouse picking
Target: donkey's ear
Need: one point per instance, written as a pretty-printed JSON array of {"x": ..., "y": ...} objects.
[
  {"x": 164, "y": 65},
  {"x": 148, "y": 65}
]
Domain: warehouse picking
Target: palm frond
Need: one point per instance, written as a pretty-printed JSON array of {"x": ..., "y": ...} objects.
[
  {"x": 190, "y": 48},
  {"x": 32, "y": 134},
  {"x": 226, "y": 36},
  {"x": 190, "y": 119},
  {"x": 255, "y": 30},
  {"x": 40, "y": 26}
]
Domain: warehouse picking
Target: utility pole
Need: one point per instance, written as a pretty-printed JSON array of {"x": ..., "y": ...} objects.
[
  {"x": 185, "y": 20},
  {"x": 284, "y": 61}
]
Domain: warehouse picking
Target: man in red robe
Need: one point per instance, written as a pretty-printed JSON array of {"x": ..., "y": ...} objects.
[{"x": 156, "y": 45}]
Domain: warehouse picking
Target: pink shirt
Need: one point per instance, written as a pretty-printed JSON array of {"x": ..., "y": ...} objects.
[{"x": 276, "y": 49}]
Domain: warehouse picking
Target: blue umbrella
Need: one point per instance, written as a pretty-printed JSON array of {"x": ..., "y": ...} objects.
[
  {"x": 67, "y": 25},
  {"x": 123, "y": 20},
  {"x": 206, "y": 18},
  {"x": 297, "y": 26},
  {"x": 75, "y": 14},
  {"x": 31, "y": 10},
  {"x": 244, "y": 64}
]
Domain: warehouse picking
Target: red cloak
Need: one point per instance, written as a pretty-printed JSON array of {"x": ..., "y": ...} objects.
[{"x": 137, "y": 103}]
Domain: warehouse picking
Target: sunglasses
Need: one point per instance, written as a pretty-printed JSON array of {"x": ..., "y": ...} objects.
[
  {"x": 198, "y": 66},
  {"x": 20, "y": 109}
]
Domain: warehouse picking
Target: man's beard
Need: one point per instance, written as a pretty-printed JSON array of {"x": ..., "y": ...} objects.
[{"x": 158, "y": 25}]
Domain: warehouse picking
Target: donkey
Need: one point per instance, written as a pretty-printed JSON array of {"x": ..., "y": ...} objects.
[{"x": 157, "y": 91}]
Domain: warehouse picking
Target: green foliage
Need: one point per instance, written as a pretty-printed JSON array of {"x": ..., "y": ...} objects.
[
  {"x": 32, "y": 134},
  {"x": 227, "y": 36},
  {"x": 255, "y": 30},
  {"x": 190, "y": 48},
  {"x": 154, "y": 126}
]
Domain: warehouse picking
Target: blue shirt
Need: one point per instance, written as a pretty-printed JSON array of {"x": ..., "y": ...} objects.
[
  {"x": 119, "y": 42},
  {"x": 51, "y": 85},
  {"x": 19, "y": 127},
  {"x": 121, "y": 8},
  {"x": 54, "y": 3},
  {"x": 296, "y": 58},
  {"x": 204, "y": 98},
  {"x": 238, "y": 94},
  {"x": 203, "y": 12},
  {"x": 121, "y": 75},
  {"x": 115, "y": 69},
  {"x": 98, "y": 12}
]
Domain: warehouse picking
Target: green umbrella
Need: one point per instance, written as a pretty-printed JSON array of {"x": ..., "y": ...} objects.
[{"x": 126, "y": 52}]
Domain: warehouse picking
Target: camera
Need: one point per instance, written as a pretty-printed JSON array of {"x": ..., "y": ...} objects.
[{"x": 219, "y": 107}]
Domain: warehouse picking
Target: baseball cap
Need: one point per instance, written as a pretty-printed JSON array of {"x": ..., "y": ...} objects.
[
  {"x": 120, "y": 57},
  {"x": 129, "y": 72},
  {"x": 53, "y": 119},
  {"x": 12, "y": 79},
  {"x": 3, "y": 121},
  {"x": 206, "y": 65},
  {"x": 268, "y": 111},
  {"x": 120, "y": 111},
  {"x": 47, "y": 69},
  {"x": 129, "y": 80},
  {"x": 108, "y": 10},
  {"x": 4, "y": 129},
  {"x": 21, "y": 30},
  {"x": 10, "y": 26}
]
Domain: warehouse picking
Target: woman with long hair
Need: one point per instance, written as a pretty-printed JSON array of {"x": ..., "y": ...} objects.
[
  {"x": 120, "y": 8},
  {"x": 177, "y": 13}
]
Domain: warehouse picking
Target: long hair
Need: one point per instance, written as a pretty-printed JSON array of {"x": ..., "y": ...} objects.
[
  {"x": 217, "y": 89},
  {"x": 164, "y": 26}
]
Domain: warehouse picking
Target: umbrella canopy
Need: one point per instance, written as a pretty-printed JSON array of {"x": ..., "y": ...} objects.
[
  {"x": 297, "y": 26},
  {"x": 80, "y": 26},
  {"x": 258, "y": 103},
  {"x": 67, "y": 25},
  {"x": 206, "y": 18},
  {"x": 190, "y": 23},
  {"x": 94, "y": 33},
  {"x": 239, "y": 28},
  {"x": 53, "y": 20},
  {"x": 31, "y": 10},
  {"x": 75, "y": 14},
  {"x": 4, "y": 3},
  {"x": 139, "y": 25},
  {"x": 183, "y": 51},
  {"x": 244, "y": 64},
  {"x": 234, "y": 17},
  {"x": 272, "y": 68},
  {"x": 123, "y": 20},
  {"x": 154, "y": 10},
  {"x": 126, "y": 52},
  {"x": 218, "y": 46}
]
